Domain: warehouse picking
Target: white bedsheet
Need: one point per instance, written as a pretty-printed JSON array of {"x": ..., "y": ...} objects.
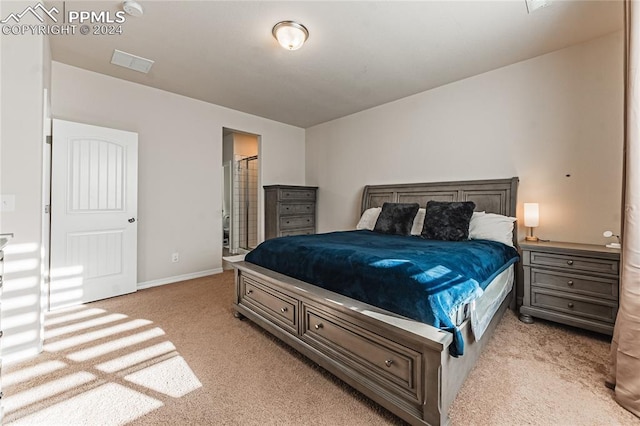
[{"x": 482, "y": 309}]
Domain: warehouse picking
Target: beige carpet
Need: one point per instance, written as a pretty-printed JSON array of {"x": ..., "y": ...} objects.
[{"x": 175, "y": 355}]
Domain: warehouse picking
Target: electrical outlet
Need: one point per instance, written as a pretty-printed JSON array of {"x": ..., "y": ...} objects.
[{"x": 175, "y": 257}]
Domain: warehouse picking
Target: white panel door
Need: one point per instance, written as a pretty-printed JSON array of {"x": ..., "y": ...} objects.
[{"x": 94, "y": 190}]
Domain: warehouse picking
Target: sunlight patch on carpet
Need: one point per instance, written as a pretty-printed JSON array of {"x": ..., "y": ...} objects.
[
  {"x": 107, "y": 369},
  {"x": 172, "y": 377},
  {"x": 26, "y": 374},
  {"x": 115, "y": 345},
  {"x": 38, "y": 393},
  {"x": 59, "y": 331},
  {"x": 137, "y": 357},
  {"x": 61, "y": 345},
  {"x": 109, "y": 404},
  {"x": 52, "y": 319}
]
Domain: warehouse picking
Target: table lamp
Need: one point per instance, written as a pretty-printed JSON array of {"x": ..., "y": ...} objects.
[{"x": 531, "y": 219}]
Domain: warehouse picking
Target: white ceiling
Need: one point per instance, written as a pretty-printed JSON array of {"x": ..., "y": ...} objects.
[{"x": 359, "y": 54}]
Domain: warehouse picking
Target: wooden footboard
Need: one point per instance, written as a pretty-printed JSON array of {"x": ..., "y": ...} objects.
[{"x": 401, "y": 364}]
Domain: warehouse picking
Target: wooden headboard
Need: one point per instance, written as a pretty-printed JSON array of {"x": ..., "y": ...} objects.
[{"x": 493, "y": 196}]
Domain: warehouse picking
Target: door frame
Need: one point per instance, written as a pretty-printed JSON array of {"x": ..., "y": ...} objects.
[
  {"x": 45, "y": 261},
  {"x": 260, "y": 213},
  {"x": 133, "y": 202}
]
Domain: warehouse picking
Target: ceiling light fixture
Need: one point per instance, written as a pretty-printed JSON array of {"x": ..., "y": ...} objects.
[{"x": 291, "y": 35}]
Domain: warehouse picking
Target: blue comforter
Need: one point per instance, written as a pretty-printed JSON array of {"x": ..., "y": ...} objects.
[{"x": 420, "y": 279}]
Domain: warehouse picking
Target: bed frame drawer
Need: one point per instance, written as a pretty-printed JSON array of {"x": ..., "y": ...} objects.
[
  {"x": 274, "y": 305},
  {"x": 575, "y": 283},
  {"x": 574, "y": 305},
  {"x": 571, "y": 262},
  {"x": 289, "y": 222},
  {"x": 393, "y": 365},
  {"x": 296, "y": 209}
]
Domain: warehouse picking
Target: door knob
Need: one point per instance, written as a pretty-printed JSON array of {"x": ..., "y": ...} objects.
[{"x": 132, "y": 219}]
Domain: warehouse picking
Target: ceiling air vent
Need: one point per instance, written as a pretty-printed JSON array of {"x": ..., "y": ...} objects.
[
  {"x": 533, "y": 5},
  {"x": 130, "y": 61}
]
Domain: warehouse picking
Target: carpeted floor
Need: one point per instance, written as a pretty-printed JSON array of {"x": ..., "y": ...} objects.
[{"x": 175, "y": 355}]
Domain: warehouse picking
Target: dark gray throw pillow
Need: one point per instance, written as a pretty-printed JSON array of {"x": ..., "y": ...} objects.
[
  {"x": 396, "y": 218},
  {"x": 447, "y": 221}
]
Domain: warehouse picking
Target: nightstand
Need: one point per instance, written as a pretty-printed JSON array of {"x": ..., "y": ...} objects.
[{"x": 573, "y": 284}]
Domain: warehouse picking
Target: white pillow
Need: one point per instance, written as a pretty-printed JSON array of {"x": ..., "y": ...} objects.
[
  {"x": 418, "y": 222},
  {"x": 490, "y": 226},
  {"x": 369, "y": 218}
]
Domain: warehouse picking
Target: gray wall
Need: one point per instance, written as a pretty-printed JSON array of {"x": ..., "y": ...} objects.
[
  {"x": 180, "y": 153},
  {"x": 539, "y": 119}
]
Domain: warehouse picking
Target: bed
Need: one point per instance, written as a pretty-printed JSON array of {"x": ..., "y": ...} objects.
[{"x": 408, "y": 366}]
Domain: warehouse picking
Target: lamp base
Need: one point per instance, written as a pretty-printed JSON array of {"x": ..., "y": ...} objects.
[{"x": 531, "y": 238}]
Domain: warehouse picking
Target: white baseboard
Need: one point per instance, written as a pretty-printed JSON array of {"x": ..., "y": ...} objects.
[{"x": 177, "y": 278}]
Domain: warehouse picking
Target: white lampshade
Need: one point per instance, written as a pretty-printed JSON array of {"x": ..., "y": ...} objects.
[
  {"x": 531, "y": 215},
  {"x": 290, "y": 35}
]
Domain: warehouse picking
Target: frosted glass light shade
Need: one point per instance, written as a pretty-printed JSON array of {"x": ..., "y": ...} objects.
[
  {"x": 531, "y": 215},
  {"x": 290, "y": 35}
]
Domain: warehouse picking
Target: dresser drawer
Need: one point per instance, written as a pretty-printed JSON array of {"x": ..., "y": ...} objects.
[
  {"x": 289, "y": 222},
  {"x": 574, "y": 305},
  {"x": 575, "y": 283},
  {"x": 297, "y": 194},
  {"x": 570, "y": 262},
  {"x": 296, "y": 209},
  {"x": 393, "y": 365},
  {"x": 289, "y": 210},
  {"x": 298, "y": 231},
  {"x": 277, "y": 306}
]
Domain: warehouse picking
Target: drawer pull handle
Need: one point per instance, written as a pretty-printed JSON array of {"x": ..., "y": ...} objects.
[
  {"x": 569, "y": 262},
  {"x": 388, "y": 362},
  {"x": 249, "y": 291},
  {"x": 318, "y": 326},
  {"x": 570, "y": 304},
  {"x": 283, "y": 310},
  {"x": 570, "y": 283},
  {"x": 287, "y": 221}
]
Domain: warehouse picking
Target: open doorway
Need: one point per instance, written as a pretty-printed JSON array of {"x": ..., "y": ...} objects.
[{"x": 241, "y": 171}]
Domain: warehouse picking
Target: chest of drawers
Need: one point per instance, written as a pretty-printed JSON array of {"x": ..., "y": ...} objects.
[
  {"x": 573, "y": 284},
  {"x": 289, "y": 210}
]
